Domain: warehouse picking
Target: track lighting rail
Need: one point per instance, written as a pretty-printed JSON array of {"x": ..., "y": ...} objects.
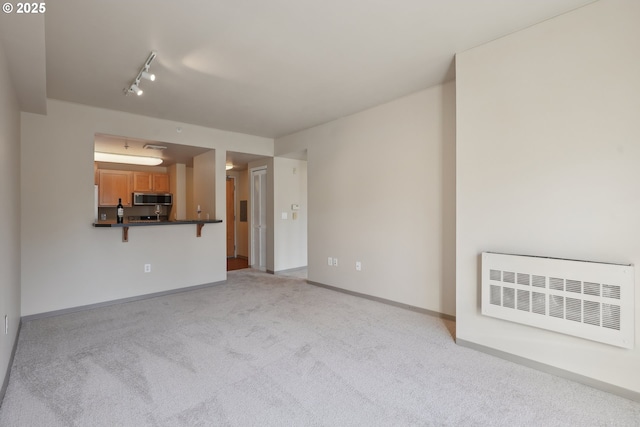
[{"x": 143, "y": 74}]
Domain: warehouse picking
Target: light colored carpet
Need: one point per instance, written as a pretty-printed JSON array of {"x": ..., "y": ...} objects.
[
  {"x": 264, "y": 350},
  {"x": 300, "y": 273}
]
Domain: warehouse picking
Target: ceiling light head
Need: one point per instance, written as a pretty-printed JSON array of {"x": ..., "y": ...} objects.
[
  {"x": 229, "y": 166},
  {"x": 123, "y": 158},
  {"x": 135, "y": 89},
  {"x": 148, "y": 76}
]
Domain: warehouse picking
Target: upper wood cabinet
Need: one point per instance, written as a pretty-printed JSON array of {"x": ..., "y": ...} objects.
[
  {"x": 142, "y": 181},
  {"x": 117, "y": 184},
  {"x": 151, "y": 181},
  {"x": 160, "y": 182},
  {"x": 114, "y": 185}
]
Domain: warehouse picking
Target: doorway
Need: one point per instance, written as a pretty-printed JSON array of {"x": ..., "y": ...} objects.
[
  {"x": 258, "y": 257},
  {"x": 234, "y": 262}
]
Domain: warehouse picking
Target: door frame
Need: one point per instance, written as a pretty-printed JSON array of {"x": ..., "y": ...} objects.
[
  {"x": 250, "y": 209},
  {"x": 235, "y": 217}
]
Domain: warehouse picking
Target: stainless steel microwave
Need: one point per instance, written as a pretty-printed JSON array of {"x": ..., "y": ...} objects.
[{"x": 149, "y": 199}]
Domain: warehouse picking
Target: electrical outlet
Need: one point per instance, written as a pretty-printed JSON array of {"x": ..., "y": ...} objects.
[
  {"x": 147, "y": 268},
  {"x": 358, "y": 266},
  {"x": 335, "y": 262},
  {"x": 330, "y": 261}
]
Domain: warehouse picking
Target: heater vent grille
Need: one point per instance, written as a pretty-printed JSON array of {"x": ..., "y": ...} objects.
[
  {"x": 556, "y": 284},
  {"x": 585, "y": 299},
  {"x": 539, "y": 281},
  {"x": 509, "y": 277},
  {"x": 610, "y": 291}
]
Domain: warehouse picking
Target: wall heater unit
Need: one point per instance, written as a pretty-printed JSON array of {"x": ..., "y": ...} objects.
[{"x": 590, "y": 300}]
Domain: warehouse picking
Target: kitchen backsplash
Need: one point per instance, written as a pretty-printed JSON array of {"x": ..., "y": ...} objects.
[{"x": 132, "y": 211}]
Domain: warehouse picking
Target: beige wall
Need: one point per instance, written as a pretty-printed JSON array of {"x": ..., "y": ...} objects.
[
  {"x": 10, "y": 223},
  {"x": 178, "y": 182},
  {"x": 191, "y": 206},
  {"x": 290, "y": 235},
  {"x": 204, "y": 185},
  {"x": 547, "y": 164},
  {"x": 381, "y": 191},
  {"x": 68, "y": 263}
]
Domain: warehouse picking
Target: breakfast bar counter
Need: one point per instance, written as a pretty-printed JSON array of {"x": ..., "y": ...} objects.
[{"x": 146, "y": 223}]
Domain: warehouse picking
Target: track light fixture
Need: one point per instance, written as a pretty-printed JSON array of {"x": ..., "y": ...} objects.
[
  {"x": 135, "y": 89},
  {"x": 143, "y": 74},
  {"x": 146, "y": 75}
]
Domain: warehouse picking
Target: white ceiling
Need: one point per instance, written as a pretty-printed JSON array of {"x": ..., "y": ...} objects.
[
  {"x": 259, "y": 67},
  {"x": 23, "y": 40}
]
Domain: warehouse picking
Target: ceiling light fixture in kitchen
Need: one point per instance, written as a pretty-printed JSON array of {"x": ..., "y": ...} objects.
[
  {"x": 125, "y": 158},
  {"x": 143, "y": 74}
]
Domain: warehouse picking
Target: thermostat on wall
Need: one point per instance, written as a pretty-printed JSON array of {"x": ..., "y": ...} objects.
[{"x": 295, "y": 207}]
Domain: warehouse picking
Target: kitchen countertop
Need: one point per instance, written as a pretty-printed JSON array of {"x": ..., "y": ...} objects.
[
  {"x": 111, "y": 223},
  {"x": 137, "y": 223}
]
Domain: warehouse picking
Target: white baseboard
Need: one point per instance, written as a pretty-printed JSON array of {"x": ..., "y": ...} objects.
[
  {"x": 5, "y": 382},
  {"x": 386, "y": 301},
  {"x": 116, "y": 301},
  {"x": 599, "y": 385}
]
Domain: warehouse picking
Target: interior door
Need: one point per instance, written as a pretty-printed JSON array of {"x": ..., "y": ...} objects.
[
  {"x": 259, "y": 218},
  {"x": 231, "y": 218}
]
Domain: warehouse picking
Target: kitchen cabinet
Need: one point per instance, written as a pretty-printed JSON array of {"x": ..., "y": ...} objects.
[
  {"x": 114, "y": 185},
  {"x": 151, "y": 182},
  {"x": 141, "y": 181},
  {"x": 160, "y": 182}
]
